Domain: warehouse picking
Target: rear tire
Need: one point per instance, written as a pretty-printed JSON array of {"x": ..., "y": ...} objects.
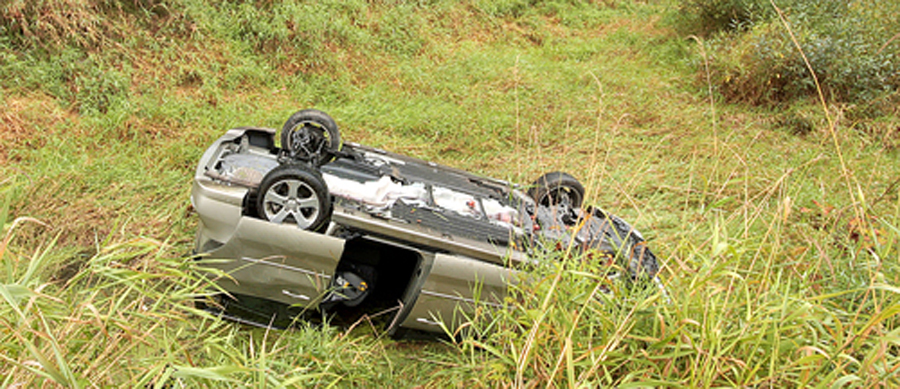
[
  {"x": 557, "y": 188},
  {"x": 294, "y": 194}
]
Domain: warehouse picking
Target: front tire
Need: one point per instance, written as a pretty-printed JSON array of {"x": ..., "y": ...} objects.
[{"x": 294, "y": 194}]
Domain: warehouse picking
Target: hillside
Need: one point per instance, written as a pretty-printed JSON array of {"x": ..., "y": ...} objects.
[{"x": 776, "y": 221}]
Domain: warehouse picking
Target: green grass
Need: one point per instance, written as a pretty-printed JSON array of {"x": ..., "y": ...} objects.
[{"x": 779, "y": 247}]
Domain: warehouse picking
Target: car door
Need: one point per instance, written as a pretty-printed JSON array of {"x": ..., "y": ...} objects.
[
  {"x": 278, "y": 262},
  {"x": 453, "y": 289}
]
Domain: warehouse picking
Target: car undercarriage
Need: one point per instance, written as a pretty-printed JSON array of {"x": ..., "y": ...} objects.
[{"x": 328, "y": 226}]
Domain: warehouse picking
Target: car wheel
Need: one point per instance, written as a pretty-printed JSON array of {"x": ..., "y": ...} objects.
[
  {"x": 311, "y": 135},
  {"x": 294, "y": 194},
  {"x": 557, "y": 188}
]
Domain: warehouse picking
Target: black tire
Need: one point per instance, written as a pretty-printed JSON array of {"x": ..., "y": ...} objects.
[
  {"x": 311, "y": 135},
  {"x": 557, "y": 188},
  {"x": 296, "y": 194}
]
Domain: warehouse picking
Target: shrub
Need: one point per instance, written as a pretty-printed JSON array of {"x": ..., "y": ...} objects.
[
  {"x": 705, "y": 17},
  {"x": 757, "y": 62}
]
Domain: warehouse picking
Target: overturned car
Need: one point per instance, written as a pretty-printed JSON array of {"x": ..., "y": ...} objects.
[{"x": 329, "y": 226}]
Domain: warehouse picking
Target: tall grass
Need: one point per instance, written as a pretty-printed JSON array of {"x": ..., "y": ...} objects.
[
  {"x": 739, "y": 312},
  {"x": 780, "y": 268},
  {"x": 738, "y": 309},
  {"x": 124, "y": 316}
]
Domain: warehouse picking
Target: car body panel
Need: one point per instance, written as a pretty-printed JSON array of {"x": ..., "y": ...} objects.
[
  {"x": 279, "y": 262},
  {"x": 219, "y": 207},
  {"x": 425, "y": 236},
  {"x": 456, "y": 285}
]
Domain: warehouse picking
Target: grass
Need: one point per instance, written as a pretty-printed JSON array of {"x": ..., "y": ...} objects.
[
  {"x": 780, "y": 248},
  {"x": 125, "y": 318}
]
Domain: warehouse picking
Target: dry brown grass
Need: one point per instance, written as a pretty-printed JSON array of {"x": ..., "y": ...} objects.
[
  {"x": 55, "y": 22},
  {"x": 25, "y": 121}
]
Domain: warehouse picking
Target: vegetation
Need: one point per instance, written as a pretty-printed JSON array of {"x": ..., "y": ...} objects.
[
  {"x": 772, "y": 202},
  {"x": 771, "y": 54}
]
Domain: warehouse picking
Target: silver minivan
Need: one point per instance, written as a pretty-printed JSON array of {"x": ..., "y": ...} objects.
[{"x": 321, "y": 225}]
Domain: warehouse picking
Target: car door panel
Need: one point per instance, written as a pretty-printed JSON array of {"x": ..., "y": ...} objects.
[
  {"x": 278, "y": 262},
  {"x": 457, "y": 284}
]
